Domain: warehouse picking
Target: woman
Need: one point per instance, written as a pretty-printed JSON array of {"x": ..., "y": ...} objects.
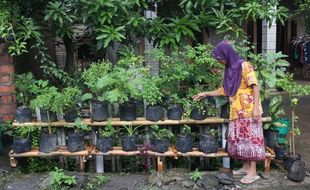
[{"x": 245, "y": 133}]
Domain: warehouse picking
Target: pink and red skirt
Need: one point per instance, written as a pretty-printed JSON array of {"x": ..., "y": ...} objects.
[{"x": 246, "y": 140}]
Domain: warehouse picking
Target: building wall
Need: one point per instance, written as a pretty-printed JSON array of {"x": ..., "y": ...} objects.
[{"x": 7, "y": 86}]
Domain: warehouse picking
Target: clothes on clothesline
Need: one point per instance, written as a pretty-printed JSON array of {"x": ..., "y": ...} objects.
[{"x": 299, "y": 52}]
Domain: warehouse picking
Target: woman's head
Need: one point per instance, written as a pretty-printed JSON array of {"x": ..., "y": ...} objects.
[{"x": 225, "y": 54}]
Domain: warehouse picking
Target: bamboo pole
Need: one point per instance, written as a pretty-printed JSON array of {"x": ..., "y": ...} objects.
[{"x": 293, "y": 134}]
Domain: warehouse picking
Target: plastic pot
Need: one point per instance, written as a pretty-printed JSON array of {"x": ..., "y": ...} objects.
[
  {"x": 280, "y": 151},
  {"x": 44, "y": 116},
  {"x": 184, "y": 143},
  {"x": 154, "y": 113},
  {"x": 23, "y": 114},
  {"x": 197, "y": 115},
  {"x": 225, "y": 111},
  {"x": 208, "y": 144},
  {"x": 128, "y": 111},
  {"x": 297, "y": 172},
  {"x": 174, "y": 112},
  {"x": 21, "y": 145},
  {"x": 48, "y": 142},
  {"x": 75, "y": 141},
  {"x": 104, "y": 144},
  {"x": 160, "y": 145},
  {"x": 71, "y": 115},
  {"x": 265, "y": 105},
  {"x": 129, "y": 143},
  {"x": 99, "y": 111},
  {"x": 288, "y": 160},
  {"x": 271, "y": 138}
]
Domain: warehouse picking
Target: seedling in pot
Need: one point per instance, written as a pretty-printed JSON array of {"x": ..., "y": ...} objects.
[{"x": 161, "y": 133}]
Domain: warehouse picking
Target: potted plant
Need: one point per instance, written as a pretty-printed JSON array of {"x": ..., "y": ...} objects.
[
  {"x": 97, "y": 80},
  {"x": 76, "y": 136},
  {"x": 161, "y": 138},
  {"x": 45, "y": 101},
  {"x": 152, "y": 96},
  {"x": 67, "y": 101},
  {"x": 22, "y": 140},
  {"x": 208, "y": 143},
  {"x": 175, "y": 107},
  {"x": 184, "y": 141},
  {"x": 24, "y": 94},
  {"x": 128, "y": 138},
  {"x": 104, "y": 138}
]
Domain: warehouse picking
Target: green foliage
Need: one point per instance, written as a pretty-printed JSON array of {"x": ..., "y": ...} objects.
[
  {"x": 275, "y": 111},
  {"x": 23, "y": 83},
  {"x": 39, "y": 165},
  {"x": 96, "y": 181},
  {"x": 161, "y": 133},
  {"x": 92, "y": 75},
  {"x": 25, "y": 132},
  {"x": 61, "y": 180},
  {"x": 196, "y": 175},
  {"x": 107, "y": 131},
  {"x": 67, "y": 99},
  {"x": 151, "y": 93},
  {"x": 186, "y": 130},
  {"x": 130, "y": 130},
  {"x": 203, "y": 66},
  {"x": 79, "y": 124}
]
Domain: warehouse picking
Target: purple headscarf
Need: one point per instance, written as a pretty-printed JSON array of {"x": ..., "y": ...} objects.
[{"x": 233, "y": 68}]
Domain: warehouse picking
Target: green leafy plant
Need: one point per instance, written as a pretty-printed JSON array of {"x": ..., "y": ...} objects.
[
  {"x": 25, "y": 132},
  {"x": 107, "y": 131},
  {"x": 67, "y": 99},
  {"x": 96, "y": 181},
  {"x": 130, "y": 130},
  {"x": 23, "y": 83},
  {"x": 151, "y": 92},
  {"x": 161, "y": 133},
  {"x": 275, "y": 111},
  {"x": 196, "y": 175},
  {"x": 80, "y": 126},
  {"x": 62, "y": 181},
  {"x": 186, "y": 130}
]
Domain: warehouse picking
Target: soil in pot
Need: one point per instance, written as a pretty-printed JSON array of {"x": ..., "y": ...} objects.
[
  {"x": 23, "y": 114},
  {"x": 208, "y": 144},
  {"x": 297, "y": 172},
  {"x": 174, "y": 112},
  {"x": 45, "y": 114},
  {"x": 160, "y": 145},
  {"x": 99, "y": 111},
  {"x": 184, "y": 143},
  {"x": 288, "y": 160},
  {"x": 71, "y": 115},
  {"x": 48, "y": 142},
  {"x": 104, "y": 144},
  {"x": 271, "y": 138},
  {"x": 154, "y": 113},
  {"x": 198, "y": 115},
  {"x": 128, "y": 111},
  {"x": 129, "y": 143},
  {"x": 21, "y": 145},
  {"x": 75, "y": 141}
]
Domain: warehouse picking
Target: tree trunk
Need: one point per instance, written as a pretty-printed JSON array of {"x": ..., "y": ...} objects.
[{"x": 70, "y": 65}]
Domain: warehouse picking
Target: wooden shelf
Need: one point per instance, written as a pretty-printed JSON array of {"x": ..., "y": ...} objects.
[{"x": 139, "y": 121}]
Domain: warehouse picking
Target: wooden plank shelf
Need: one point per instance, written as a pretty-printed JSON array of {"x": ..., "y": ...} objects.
[{"x": 139, "y": 121}]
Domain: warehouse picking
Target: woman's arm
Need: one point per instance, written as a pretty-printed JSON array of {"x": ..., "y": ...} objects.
[
  {"x": 256, "y": 112},
  {"x": 201, "y": 95}
]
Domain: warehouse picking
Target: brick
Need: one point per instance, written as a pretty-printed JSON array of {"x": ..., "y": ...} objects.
[
  {"x": 6, "y": 60},
  {"x": 6, "y": 69},
  {"x": 7, "y": 109},
  {"x": 8, "y": 117},
  {"x": 5, "y": 79},
  {"x": 4, "y": 90},
  {"x": 7, "y": 99}
]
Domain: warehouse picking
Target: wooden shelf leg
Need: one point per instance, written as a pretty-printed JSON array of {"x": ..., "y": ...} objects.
[
  {"x": 82, "y": 163},
  {"x": 226, "y": 161}
]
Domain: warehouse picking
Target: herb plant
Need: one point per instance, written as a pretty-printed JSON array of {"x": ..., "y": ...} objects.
[
  {"x": 107, "y": 131},
  {"x": 161, "y": 133}
]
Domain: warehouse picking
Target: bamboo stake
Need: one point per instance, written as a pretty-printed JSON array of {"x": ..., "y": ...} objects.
[{"x": 293, "y": 135}]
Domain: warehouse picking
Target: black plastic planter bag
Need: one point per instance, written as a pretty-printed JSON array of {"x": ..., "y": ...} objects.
[
  {"x": 174, "y": 113},
  {"x": 184, "y": 143},
  {"x": 129, "y": 143},
  {"x": 23, "y": 114},
  {"x": 104, "y": 144},
  {"x": 161, "y": 145},
  {"x": 21, "y": 145},
  {"x": 70, "y": 116},
  {"x": 75, "y": 142},
  {"x": 48, "y": 142},
  {"x": 208, "y": 144},
  {"x": 154, "y": 113},
  {"x": 197, "y": 115},
  {"x": 128, "y": 111},
  {"x": 99, "y": 111},
  {"x": 44, "y": 116}
]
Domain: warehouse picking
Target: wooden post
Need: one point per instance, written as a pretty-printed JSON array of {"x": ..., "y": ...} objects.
[
  {"x": 226, "y": 160},
  {"x": 61, "y": 141}
]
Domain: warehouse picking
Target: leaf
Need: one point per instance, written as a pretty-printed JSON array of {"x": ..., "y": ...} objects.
[{"x": 86, "y": 96}]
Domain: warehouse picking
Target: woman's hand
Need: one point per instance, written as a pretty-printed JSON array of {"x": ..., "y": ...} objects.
[
  {"x": 256, "y": 114},
  {"x": 199, "y": 96}
]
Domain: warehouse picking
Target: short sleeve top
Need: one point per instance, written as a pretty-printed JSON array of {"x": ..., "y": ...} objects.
[{"x": 242, "y": 103}]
